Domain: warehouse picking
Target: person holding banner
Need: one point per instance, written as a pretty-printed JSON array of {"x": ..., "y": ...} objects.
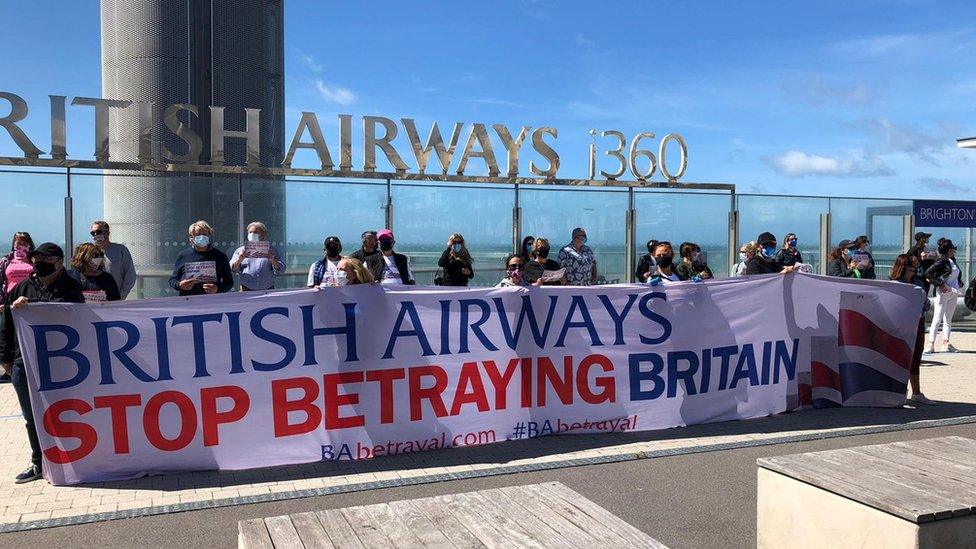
[
  {"x": 49, "y": 282},
  {"x": 201, "y": 268},
  {"x": 764, "y": 262},
  {"x": 945, "y": 275},
  {"x": 646, "y": 266},
  {"x": 666, "y": 269},
  {"x": 746, "y": 253},
  {"x": 323, "y": 272},
  {"x": 88, "y": 268},
  {"x": 691, "y": 264},
  {"x": 905, "y": 270},
  {"x": 514, "y": 272},
  {"x": 352, "y": 271},
  {"x": 257, "y": 260},
  {"x": 789, "y": 254}
]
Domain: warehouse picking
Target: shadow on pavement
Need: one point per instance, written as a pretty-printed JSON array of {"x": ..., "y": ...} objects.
[{"x": 505, "y": 452}]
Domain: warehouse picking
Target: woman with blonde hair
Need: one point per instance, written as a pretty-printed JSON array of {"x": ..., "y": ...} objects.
[
  {"x": 88, "y": 267},
  {"x": 456, "y": 262},
  {"x": 789, "y": 254},
  {"x": 352, "y": 271},
  {"x": 746, "y": 252}
]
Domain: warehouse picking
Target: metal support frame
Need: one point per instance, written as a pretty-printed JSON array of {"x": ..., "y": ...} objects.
[
  {"x": 389, "y": 205},
  {"x": 241, "y": 229},
  {"x": 517, "y": 221},
  {"x": 967, "y": 265},
  {"x": 630, "y": 238},
  {"x": 734, "y": 242},
  {"x": 907, "y": 231},
  {"x": 825, "y": 243},
  {"x": 69, "y": 230}
]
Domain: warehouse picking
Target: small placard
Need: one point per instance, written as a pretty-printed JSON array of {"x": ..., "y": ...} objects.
[
  {"x": 94, "y": 296},
  {"x": 552, "y": 276},
  {"x": 261, "y": 248},
  {"x": 201, "y": 271}
]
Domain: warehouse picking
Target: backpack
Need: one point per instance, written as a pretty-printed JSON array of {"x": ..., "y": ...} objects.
[{"x": 970, "y": 297}]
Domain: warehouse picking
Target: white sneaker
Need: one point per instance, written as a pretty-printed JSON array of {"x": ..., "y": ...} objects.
[
  {"x": 950, "y": 348},
  {"x": 920, "y": 398}
]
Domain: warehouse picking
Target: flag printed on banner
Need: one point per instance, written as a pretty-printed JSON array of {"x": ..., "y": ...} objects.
[{"x": 867, "y": 364}]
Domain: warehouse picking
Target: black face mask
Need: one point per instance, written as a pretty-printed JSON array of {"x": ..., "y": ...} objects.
[
  {"x": 386, "y": 245},
  {"x": 332, "y": 249},
  {"x": 43, "y": 268},
  {"x": 665, "y": 261}
]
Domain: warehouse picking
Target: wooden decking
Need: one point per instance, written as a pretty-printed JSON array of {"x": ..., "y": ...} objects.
[{"x": 536, "y": 515}]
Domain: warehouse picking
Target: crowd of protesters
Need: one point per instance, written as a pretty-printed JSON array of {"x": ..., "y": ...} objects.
[{"x": 102, "y": 270}]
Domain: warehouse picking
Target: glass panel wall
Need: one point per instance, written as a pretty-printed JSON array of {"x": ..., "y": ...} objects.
[
  {"x": 678, "y": 217},
  {"x": 962, "y": 238},
  {"x": 781, "y": 215},
  {"x": 425, "y": 215},
  {"x": 34, "y": 203},
  {"x": 554, "y": 212},
  {"x": 318, "y": 208}
]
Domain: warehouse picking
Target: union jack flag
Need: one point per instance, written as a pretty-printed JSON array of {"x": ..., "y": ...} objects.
[{"x": 867, "y": 363}]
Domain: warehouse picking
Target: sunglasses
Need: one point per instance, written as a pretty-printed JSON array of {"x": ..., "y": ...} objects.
[{"x": 98, "y": 232}]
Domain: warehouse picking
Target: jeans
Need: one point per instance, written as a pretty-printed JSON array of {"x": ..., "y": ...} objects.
[
  {"x": 945, "y": 307},
  {"x": 18, "y": 377}
]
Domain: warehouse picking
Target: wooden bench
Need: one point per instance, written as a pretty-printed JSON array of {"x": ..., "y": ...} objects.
[
  {"x": 536, "y": 515},
  {"x": 906, "y": 494}
]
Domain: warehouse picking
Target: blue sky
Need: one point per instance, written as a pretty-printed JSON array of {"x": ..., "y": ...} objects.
[{"x": 854, "y": 98}]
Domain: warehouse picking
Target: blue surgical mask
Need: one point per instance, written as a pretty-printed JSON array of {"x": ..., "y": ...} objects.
[
  {"x": 201, "y": 241},
  {"x": 849, "y": 252},
  {"x": 456, "y": 248},
  {"x": 793, "y": 243},
  {"x": 769, "y": 252}
]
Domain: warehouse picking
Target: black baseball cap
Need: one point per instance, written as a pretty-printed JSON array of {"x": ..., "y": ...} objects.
[
  {"x": 920, "y": 235},
  {"x": 332, "y": 239},
  {"x": 766, "y": 238},
  {"x": 846, "y": 243},
  {"x": 48, "y": 249}
]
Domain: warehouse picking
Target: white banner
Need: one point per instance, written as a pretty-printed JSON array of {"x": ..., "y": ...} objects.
[{"x": 243, "y": 380}]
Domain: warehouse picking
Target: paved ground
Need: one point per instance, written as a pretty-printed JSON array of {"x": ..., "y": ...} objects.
[{"x": 949, "y": 378}]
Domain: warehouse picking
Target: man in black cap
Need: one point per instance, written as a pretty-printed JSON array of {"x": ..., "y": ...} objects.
[
  {"x": 49, "y": 282},
  {"x": 925, "y": 259},
  {"x": 323, "y": 272},
  {"x": 764, "y": 262}
]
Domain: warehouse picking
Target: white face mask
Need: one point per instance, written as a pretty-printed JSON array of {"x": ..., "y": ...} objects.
[
  {"x": 96, "y": 262},
  {"x": 341, "y": 278},
  {"x": 743, "y": 257},
  {"x": 253, "y": 237}
]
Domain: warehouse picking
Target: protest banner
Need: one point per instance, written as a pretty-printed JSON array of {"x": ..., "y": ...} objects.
[{"x": 244, "y": 380}]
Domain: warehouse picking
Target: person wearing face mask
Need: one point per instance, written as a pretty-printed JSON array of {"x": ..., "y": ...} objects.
[
  {"x": 456, "y": 262},
  {"x": 789, "y": 254},
  {"x": 369, "y": 247},
  {"x": 118, "y": 260},
  {"x": 925, "y": 256},
  {"x": 323, "y": 272},
  {"x": 692, "y": 265},
  {"x": 578, "y": 260},
  {"x": 746, "y": 252},
  {"x": 646, "y": 267},
  {"x": 87, "y": 267},
  {"x": 525, "y": 251},
  {"x": 945, "y": 275},
  {"x": 352, "y": 271},
  {"x": 514, "y": 272},
  {"x": 395, "y": 267},
  {"x": 257, "y": 267},
  {"x": 841, "y": 261},
  {"x": 201, "y": 268},
  {"x": 764, "y": 262},
  {"x": 539, "y": 264},
  {"x": 862, "y": 255},
  {"x": 905, "y": 270},
  {"x": 14, "y": 267},
  {"x": 49, "y": 282},
  {"x": 664, "y": 257}
]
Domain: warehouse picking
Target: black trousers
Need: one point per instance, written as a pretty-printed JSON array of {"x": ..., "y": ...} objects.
[{"x": 18, "y": 377}]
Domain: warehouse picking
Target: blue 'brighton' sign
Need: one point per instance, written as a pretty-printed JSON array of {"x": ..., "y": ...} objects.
[{"x": 944, "y": 213}]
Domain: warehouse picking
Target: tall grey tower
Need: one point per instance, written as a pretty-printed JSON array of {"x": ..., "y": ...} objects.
[{"x": 228, "y": 53}]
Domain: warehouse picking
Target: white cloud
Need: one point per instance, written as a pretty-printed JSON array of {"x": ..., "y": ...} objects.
[
  {"x": 942, "y": 184},
  {"x": 336, "y": 94},
  {"x": 910, "y": 45},
  {"x": 855, "y": 164},
  {"x": 891, "y": 138},
  {"x": 309, "y": 61}
]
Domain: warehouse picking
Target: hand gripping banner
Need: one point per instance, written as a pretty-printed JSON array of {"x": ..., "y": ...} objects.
[{"x": 246, "y": 380}]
